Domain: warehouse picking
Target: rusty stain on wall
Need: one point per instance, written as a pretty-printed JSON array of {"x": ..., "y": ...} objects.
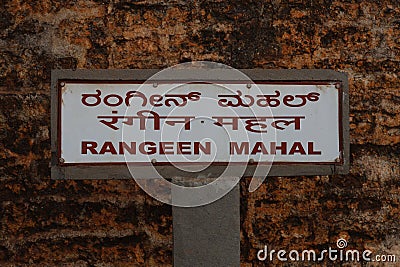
[{"x": 114, "y": 223}]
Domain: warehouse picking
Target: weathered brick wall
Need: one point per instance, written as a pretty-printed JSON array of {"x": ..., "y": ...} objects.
[{"x": 114, "y": 223}]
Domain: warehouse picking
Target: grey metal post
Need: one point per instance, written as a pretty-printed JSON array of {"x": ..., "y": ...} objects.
[{"x": 208, "y": 235}]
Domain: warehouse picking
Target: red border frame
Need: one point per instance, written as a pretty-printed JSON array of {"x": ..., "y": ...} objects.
[{"x": 289, "y": 82}]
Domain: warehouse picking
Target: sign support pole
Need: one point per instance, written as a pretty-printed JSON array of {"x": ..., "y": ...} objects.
[{"x": 208, "y": 235}]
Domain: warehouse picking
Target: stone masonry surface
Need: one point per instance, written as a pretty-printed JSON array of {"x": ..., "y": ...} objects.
[{"x": 114, "y": 223}]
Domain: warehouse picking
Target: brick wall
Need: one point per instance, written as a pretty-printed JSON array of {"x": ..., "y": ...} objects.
[{"x": 114, "y": 223}]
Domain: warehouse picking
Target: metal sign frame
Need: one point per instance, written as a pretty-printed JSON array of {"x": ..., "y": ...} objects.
[{"x": 120, "y": 171}]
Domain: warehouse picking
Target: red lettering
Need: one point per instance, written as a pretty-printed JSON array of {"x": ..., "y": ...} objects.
[
  {"x": 198, "y": 146},
  {"x": 88, "y": 145},
  {"x": 148, "y": 148},
  {"x": 282, "y": 148},
  {"x": 108, "y": 147},
  {"x": 311, "y": 149},
  {"x": 130, "y": 148},
  {"x": 236, "y": 149},
  {"x": 118, "y": 101},
  {"x": 165, "y": 146},
  {"x": 259, "y": 148},
  {"x": 297, "y": 148},
  {"x": 184, "y": 145},
  {"x": 155, "y": 100},
  {"x": 95, "y": 96}
]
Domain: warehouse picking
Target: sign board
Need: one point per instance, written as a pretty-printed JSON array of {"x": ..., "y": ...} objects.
[{"x": 298, "y": 120}]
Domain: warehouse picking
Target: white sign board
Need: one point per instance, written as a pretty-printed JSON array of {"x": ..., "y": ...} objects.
[{"x": 118, "y": 122}]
